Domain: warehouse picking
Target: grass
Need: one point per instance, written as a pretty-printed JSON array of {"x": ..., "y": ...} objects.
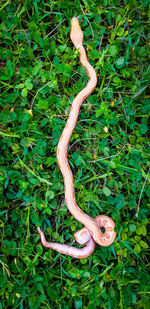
[{"x": 40, "y": 74}]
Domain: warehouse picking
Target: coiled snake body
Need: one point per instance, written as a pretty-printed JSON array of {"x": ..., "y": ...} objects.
[{"x": 91, "y": 233}]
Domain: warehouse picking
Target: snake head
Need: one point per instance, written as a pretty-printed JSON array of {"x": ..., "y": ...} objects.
[{"x": 76, "y": 33}]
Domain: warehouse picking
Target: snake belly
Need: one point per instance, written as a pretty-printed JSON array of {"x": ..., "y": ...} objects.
[{"x": 91, "y": 232}]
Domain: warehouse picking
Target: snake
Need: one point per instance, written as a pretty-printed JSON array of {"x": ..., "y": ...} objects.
[{"x": 91, "y": 233}]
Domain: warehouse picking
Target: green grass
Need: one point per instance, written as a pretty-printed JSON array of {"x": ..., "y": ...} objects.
[{"x": 40, "y": 74}]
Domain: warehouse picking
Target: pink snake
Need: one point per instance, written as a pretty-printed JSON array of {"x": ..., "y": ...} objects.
[{"x": 91, "y": 233}]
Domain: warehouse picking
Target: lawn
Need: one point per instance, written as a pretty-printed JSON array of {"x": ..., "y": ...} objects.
[{"x": 40, "y": 75}]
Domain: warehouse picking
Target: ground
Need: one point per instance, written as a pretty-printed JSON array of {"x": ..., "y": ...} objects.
[{"x": 40, "y": 75}]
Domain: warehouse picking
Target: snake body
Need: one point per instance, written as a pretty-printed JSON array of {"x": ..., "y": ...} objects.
[{"x": 91, "y": 233}]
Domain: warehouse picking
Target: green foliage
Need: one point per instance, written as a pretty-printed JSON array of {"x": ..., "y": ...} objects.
[{"x": 40, "y": 74}]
